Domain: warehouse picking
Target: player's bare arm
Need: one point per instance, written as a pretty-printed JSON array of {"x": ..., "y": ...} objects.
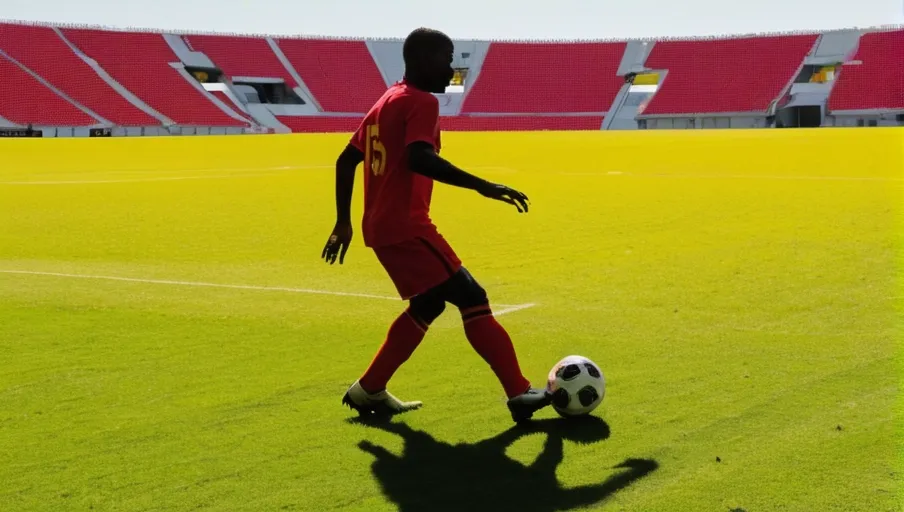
[
  {"x": 422, "y": 159},
  {"x": 341, "y": 237}
]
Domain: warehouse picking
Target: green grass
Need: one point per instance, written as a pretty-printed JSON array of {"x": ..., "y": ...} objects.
[{"x": 736, "y": 316}]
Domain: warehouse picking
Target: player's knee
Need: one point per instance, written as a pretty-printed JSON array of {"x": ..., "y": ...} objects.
[
  {"x": 468, "y": 290},
  {"x": 427, "y": 308},
  {"x": 476, "y": 296}
]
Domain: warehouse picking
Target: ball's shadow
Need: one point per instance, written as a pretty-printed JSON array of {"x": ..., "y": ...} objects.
[{"x": 431, "y": 475}]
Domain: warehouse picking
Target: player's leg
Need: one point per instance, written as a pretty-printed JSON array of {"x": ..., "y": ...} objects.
[
  {"x": 369, "y": 393},
  {"x": 413, "y": 278},
  {"x": 484, "y": 333},
  {"x": 404, "y": 336},
  {"x": 493, "y": 343}
]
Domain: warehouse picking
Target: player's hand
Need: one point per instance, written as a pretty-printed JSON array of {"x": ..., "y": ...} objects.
[
  {"x": 337, "y": 244},
  {"x": 505, "y": 194}
]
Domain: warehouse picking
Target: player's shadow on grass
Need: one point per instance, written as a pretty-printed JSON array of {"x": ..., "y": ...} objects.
[{"x": 431, "y": 475}]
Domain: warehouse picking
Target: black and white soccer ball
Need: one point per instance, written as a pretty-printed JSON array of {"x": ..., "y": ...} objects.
[{"x": 577, "y": 385}]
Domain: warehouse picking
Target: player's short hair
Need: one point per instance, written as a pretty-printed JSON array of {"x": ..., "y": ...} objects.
[{"x": 422, "y": 41}]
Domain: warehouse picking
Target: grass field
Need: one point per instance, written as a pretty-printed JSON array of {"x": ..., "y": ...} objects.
[{"x": 739, "y": 290}]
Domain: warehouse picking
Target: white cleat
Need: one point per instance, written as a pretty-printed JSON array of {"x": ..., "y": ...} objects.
[{"x": 381, "y": 403}]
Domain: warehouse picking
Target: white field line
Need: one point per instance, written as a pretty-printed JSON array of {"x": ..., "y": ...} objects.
[
  {"x": 261, "y": 171},
  {"x": 506, "y": 308},
  {"x": 511, "y": 309},
  {"x": 732, "y": 176}
]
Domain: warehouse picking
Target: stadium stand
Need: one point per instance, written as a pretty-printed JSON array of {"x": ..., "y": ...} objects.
[
  {"x": 320, "y": 124},
  {"x": 344, "y": 124},
  {"x": 141, "y": 63},
  {"x": 25, "y": 100},
  {"x": 553, "y": 78},
  {"x": 142, "y": 83},
  {"x": 519, "y": 123},
  {"x": 241, "y": 56},
  {"x": 224, "y": 98},
  {"x": 341, "y": 74},
  {"x": 44, "y": 52},
  {"x": 877, "y": 80},
  {"x": 725, "y": 75}
]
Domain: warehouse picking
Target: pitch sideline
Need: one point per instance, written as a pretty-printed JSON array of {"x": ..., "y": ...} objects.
[{"x": 506, "y": 308}]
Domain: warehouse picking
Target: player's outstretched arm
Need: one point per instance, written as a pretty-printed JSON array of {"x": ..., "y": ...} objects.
[
  {"x": 422, "y": 159},
  {"x": 341, "y": 237},
  {"x": 345, "y": 181}
]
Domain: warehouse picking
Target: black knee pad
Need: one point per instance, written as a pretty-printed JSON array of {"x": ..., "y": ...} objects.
[
  {"x": 464, "y": 291},
  {"x": 427, "y": 307}
]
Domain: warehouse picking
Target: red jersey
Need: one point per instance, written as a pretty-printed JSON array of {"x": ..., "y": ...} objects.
[{"x": 396, "y": 200}]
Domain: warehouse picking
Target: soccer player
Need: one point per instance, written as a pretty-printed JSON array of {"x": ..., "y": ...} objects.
[{"x": 398, "y": 142}]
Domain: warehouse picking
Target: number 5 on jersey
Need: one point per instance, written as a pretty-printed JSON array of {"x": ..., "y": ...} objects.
[{"x": 375, "y": 152}]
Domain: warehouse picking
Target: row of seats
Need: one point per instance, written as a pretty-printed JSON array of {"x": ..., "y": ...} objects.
[
  {"x": 516, "y": 79},
  {"x": 41, "y": 50},
  {"x": 877, "y": 81},
  {"x": 141, "y": 63},
  {"x": 348, "y": 124},
  {"x": 341, "y": 75},
  {"x": 24, "y": 100},
  {"x": 725, "y": 76},
  {"x": 547, "y": 78}
]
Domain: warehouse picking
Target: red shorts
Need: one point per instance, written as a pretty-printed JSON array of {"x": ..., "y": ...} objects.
[{"x": 419, "y": 264}]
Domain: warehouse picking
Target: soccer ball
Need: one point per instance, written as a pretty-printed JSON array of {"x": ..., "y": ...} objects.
[{"x": 577, "y": 385}]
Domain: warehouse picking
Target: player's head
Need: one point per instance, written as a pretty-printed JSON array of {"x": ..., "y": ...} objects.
[{"x": 428, "y": 59}]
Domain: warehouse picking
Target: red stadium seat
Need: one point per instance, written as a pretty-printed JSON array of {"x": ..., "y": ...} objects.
[
  {"x": 44, "y": 52},
  {"x": 141, "y": 63},
  {"x": 727, "y": 75},
  {"x": 241, "y": 56},
  {"x": 342, "y": 75},
  {"x": 347, "y": 124},
  {"x": 320, "y": 124},
  {"x": 876, "y": 83},
  {"x": 519, "y": 123},
  {"x": 520, "y": 78},
  {"x": 25, "y": 100}
]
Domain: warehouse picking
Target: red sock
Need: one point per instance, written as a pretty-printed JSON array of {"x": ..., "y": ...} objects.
[
  {"x": 494, "y": 345},
  {"x": 404, "y": 335}
]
